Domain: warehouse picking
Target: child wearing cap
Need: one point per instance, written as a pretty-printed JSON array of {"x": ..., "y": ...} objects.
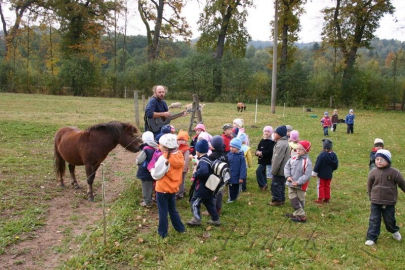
[
  {"x": 325, "y": 164},
  {"x": 237, "y": 166},
  {"x": 168, "y": 185},
  {"x": 350, "y": 121},
  {"x": 201, "y": 193},
  {"x": 247, "y": 152},
  {"x": 227, "y": 136},
  {"x": 182, "y": 139},
  {"x": 218, "y": 153},
  {"x": 198, "y": 129},
  {"x": 326, "y": 123},
  {"x": 378, "y": 144},
  {"x": 264, "y": 153},
  {"x": 238, "y": 128},
  {"x": 293, "y": 142},
  {"x": 297, "y": 171},
  {"x": 335, "y": 119},
  {"x": 383, "y": 192},
  {"x": 149, "y": 146},
  {"x": 281, "y": 154}
]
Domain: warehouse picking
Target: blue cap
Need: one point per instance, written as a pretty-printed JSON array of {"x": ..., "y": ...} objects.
[
  {"x": 236, "y": 143},
  {"x": 202, "y": 146},
  {"x": 282, "y": 131}
]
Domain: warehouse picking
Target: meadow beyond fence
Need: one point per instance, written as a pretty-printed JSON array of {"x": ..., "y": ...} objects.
[{"x": 252, "y": 235}]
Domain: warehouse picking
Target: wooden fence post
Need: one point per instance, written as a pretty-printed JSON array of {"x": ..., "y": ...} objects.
[{"x": 136, "y": 108}]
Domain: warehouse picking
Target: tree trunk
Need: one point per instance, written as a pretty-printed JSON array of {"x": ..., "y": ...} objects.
[
  {"x": 219, "y": 52},
  {"x": 154, "y": 53}
]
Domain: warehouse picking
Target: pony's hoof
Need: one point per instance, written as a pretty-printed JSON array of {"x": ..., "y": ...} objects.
[{"x": 91, "y": 198}]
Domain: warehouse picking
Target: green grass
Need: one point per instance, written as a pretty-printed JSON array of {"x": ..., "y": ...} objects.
[{"x": 252, "y": 235}]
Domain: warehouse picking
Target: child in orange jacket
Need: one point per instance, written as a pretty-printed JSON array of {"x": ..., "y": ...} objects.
[{"x": 168, "y": 185}]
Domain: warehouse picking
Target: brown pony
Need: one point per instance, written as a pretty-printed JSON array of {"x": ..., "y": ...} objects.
[{"x": 90, "y": 147}]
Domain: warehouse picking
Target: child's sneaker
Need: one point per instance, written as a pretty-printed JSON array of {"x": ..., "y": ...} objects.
[
  {"x": 194, "y": 222},
  {"x": 369, "y": 243},
  {"x": 397, "y": 236},
  {"x": 301, "y": 219},
  {"x": 214, "y": 222}
]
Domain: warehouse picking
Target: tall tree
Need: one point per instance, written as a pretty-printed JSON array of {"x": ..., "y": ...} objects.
[
  {"x": 222, "y": 24},
  {"x": 167, "y": 25},
  {"x": 350, "y": 25},
  {"x": 289, "y": 12},
  {"x": 20, "y": 7}
]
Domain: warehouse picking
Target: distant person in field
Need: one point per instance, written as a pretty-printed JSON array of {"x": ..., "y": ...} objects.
[
  {"x": 326, "y": 123},
  {"x": 350, "y": 121},
  {"x": 281, "y": 154},
  {"x": 238, "y": 128},
  {"x": 378, "y": 144},
  {"x": 383, "y": 192},
  {"x": 289, "y": 129},
  {"x": 335, "y": 120},
  {"x": 297, "y": 171},
  {"x": 325, "y": 164},
  {"x": 264, "y": 153},
  {"x": 156, "y": 106}
]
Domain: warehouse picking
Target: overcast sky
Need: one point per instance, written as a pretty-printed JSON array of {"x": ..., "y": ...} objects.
[{"x": 258, "y": 23}]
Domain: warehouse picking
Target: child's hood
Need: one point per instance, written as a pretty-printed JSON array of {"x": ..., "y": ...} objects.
[{"x": 331, "y": 157}]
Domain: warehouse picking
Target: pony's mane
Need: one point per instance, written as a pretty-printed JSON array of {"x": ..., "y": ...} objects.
[{"x": 114, "y": 127}]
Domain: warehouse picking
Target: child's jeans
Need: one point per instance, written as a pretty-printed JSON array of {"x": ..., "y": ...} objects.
[
  {"x": 278, "y": 188},
  {"x": 388, "y": 214},
  {"x": 209, "y": 204},
  {"x": 268, "y": 172},
  {"x": 325, "y": 131},
  {"x": 167, "y": 204},
  {"x": 261, "y": 175},
  {"x": 334, "y": 127},
  {"x": 350, "y": 128},
  {"x": 233, "y": 192}
]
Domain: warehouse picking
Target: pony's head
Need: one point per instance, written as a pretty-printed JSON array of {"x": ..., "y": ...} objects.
[{"x": 130, "y": 137}]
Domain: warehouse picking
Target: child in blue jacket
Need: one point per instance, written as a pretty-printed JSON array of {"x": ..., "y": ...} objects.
[
  {"x": 237, "y": 166},
  {"x": 350, "y": 121}
]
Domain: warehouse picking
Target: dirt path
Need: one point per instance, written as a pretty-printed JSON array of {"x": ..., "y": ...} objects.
[{"x": 69, "y": 215}]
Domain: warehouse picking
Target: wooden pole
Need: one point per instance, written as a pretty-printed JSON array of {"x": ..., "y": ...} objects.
[
  {"x": 104, "y": 215},
  {"x": 143, "y": 102},
  {"x": 274, "y": 73},
  {"x": 256, "y": 111},
  {"x": 136, "y": 107}
]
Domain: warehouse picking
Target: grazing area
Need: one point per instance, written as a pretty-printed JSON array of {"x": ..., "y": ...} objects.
[{"x": 66, "y": 231}]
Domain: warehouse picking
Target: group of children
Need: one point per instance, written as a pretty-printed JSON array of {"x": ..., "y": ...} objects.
[
  {"x": 164, "y": 162},
  {"x": 327, "y": 122},
  {"x": 282, "y": 159}
]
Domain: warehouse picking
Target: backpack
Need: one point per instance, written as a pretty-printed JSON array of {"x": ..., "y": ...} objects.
[
  {"x": 141, "y": 158},
  {"x": 219, "y": 177},
  {"x": 152, "y": 162}
]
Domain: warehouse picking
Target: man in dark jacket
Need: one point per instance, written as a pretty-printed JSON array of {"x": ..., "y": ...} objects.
[{"x": 156, "y": 107}]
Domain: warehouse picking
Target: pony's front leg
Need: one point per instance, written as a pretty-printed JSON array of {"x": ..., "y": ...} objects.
[
  {"x": 73, "y": 176},
  {"x": 91, "y": 173}
]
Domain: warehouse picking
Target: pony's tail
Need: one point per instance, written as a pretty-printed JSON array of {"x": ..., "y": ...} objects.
[{"x": 60, "y": 164}]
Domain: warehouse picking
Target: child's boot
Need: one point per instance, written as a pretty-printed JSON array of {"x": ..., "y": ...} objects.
[{"x": 194, "y": 222}]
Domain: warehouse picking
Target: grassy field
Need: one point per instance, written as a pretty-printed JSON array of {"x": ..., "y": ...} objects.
[{"x": 252, "y": 235}]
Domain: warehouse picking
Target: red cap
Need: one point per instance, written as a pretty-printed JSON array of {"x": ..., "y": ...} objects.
[{"x": 306, "y": 145}]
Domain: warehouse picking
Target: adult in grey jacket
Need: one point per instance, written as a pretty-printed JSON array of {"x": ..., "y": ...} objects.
[{"x": 281, "y": 154}]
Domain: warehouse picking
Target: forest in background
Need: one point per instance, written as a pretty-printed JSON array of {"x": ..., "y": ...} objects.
[{"x": 97, "y": 60}]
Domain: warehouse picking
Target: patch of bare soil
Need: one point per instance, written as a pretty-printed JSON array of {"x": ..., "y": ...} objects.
[{"x": 69, "y": 216}]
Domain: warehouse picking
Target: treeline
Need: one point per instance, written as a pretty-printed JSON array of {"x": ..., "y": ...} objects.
[{"x": 312, "y": 79}]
